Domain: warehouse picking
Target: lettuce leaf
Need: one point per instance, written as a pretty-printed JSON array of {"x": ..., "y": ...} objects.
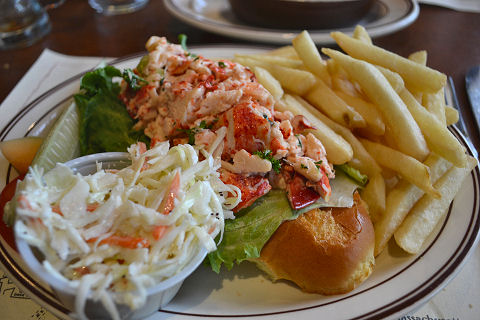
[
  {"x": 353, "y": 173},
  {"x": 105, "y": 124},
  {"x": 245, "y": 236}
]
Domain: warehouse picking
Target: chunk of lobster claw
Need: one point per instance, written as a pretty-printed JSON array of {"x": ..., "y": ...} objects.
[{"x": 299, "y": 194}]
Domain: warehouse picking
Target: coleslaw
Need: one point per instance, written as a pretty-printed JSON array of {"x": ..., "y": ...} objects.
[{"x": 112, "y": 234}]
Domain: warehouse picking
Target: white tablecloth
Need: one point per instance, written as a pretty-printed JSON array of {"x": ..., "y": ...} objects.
[{"x": 460, "y": 299}]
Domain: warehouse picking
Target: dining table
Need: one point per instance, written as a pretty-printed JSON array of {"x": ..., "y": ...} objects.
[{"x": 451, "y": 38}]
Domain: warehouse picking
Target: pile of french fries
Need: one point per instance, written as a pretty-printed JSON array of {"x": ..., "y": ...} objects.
[{"x": 384, "y": 115}]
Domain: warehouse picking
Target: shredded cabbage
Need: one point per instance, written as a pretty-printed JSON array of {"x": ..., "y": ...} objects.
[{"x": 112, "y": 234}]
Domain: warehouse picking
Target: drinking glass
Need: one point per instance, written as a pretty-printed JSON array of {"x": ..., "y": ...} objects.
[
  {"x": 22, "y": 22},
  {"x": 112, "y": 7}
]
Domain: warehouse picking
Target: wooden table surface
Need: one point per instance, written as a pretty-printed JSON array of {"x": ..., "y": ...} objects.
[{"x": 451, "y": 38}]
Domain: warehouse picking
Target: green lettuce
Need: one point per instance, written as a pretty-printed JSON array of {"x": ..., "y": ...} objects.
[
  {"x": 353, "y": 173},
  {"x": 245, "y": 236},
  {"x": 105, "y": 124}
]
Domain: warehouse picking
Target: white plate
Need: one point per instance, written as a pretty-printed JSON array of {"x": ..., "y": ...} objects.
[
  {"x": 400, "y": 282},
  {"x": 386, "y": 16}
]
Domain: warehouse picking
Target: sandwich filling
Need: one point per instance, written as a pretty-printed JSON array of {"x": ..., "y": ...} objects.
[{"x": 191, "y": 99}]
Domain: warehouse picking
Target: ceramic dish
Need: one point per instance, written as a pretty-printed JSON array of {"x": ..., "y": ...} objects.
[
  {"x": 400, "y": 282},
  {"x": 384, "y": 17},
  {"x": 295, "y": 14}
]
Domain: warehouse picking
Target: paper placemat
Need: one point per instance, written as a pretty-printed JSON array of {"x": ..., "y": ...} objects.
[
  {"x": 459, "y": 300},
  {"x": 459, "y": 5}
]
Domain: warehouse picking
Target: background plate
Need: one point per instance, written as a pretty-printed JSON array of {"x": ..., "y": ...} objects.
[{"x": 386, "y": 16}]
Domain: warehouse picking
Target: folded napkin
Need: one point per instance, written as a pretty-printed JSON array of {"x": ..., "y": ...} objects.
[
  {"x": 459, "y": 5},
  {"x": 458, "y": 300}
]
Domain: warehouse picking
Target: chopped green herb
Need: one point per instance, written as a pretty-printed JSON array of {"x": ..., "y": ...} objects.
[
  {"x": 267, "y": 155},
  {"x": 203, "y": 124},
  {"x": 299, "y": 141},
  {"x": 268, "y": 119},
  {"x": 221, "y": 64},
  {"x": 134, "y": 81},
  {"x": 182, "y": 39},
  {"x": 142, "y": 65},
  {"x": 191, "y": 134},
  {"x": 303, "y": 166},
  {"x": 192, "y": 131}
]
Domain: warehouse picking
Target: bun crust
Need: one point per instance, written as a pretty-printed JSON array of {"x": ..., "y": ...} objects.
[{"x": 322, "y": 251}]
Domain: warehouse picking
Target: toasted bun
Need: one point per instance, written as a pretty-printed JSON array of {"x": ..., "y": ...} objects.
[{"x": 322, "y": 251}]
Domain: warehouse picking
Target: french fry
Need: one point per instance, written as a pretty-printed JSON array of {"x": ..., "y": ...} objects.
[
  {"x": 344, "y": 85},
  {"x": 285, "y": 51},
  {"x": 340, "y": 79},
  {"x": 360, "y": 33},
  {"x": 334, "y": 69},
  {"x": 428, "y": 211},
  {"x": 374, "y": 195},
  {"x": 250, "y": 62},
  {"x": 338, "y": 149},
  {"x": 400, "y": 201},
  {"x": 269, "y": 82},
  {"x": 322, "y": 97},
  {"x": 277, "y": 60},
  {"x": 389, "y": 139},
  {"x": 393, "y": 78},
  {"x": 361, "y": 160},
  {"x": 451, "y": 115},
  {"x": 419, "y": 57},
  {"x": 417, "y": 76},
  {"x": 405, "y": 130},
  {"x": 435, "y": 103},
  {"x": 307, "y": 51},
  {"x": 295, "y": 80},
  {"x": 367, "y": 110},
  {"x": 409, "y": 168},
  {"x": 438, "y": 137}
]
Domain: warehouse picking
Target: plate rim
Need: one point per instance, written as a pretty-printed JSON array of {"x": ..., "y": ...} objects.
[
  {"x": 278, "y": 36},
  {"x": 436, "y": 282}
]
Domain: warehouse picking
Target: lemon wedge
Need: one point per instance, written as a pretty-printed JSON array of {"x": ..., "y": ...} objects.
[{"x": 62, "y": 143}]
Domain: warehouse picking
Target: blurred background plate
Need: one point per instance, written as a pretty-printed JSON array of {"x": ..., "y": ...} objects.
[
  {"x": 301, "y": 14},
  {"x": 383, "y": 17}
]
